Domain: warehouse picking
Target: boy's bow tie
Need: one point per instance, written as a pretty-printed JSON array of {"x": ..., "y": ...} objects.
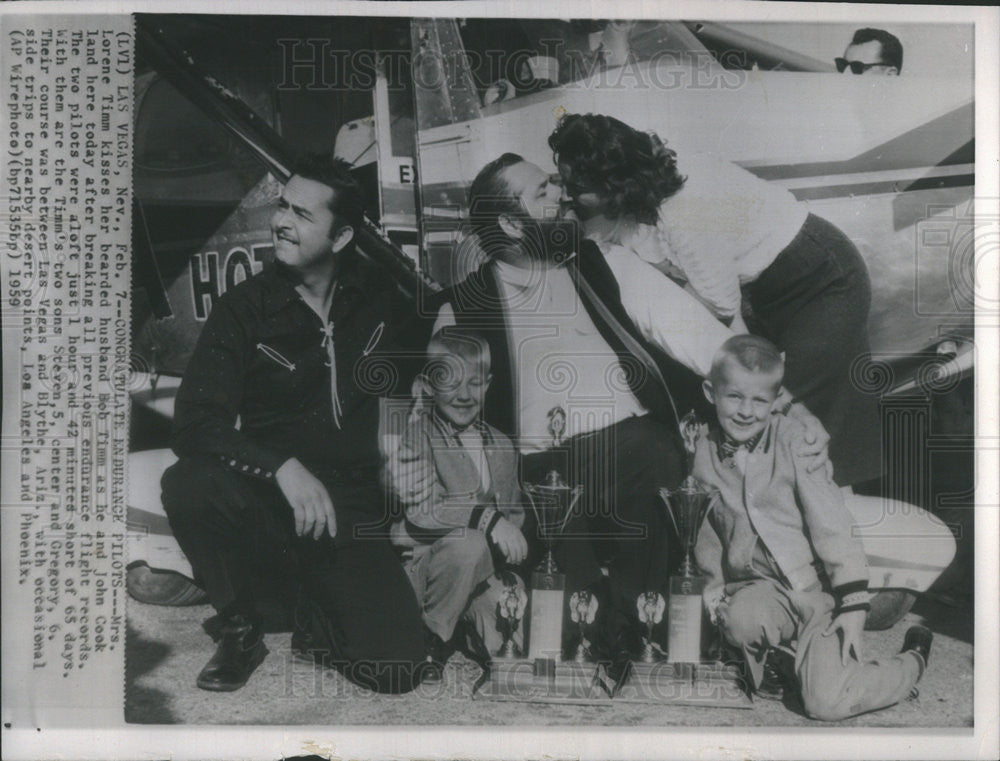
[{"x": 729, "y": 447}]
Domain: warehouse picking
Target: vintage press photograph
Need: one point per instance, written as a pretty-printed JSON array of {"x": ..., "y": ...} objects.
[{"x": 508, "y": 371}]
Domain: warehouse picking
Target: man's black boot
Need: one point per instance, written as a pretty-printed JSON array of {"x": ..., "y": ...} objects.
[
  {"x": 240, "y": 650},
  {"x": 778, "y": 679}
]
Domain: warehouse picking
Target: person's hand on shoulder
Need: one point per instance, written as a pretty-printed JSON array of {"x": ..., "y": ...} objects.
[
  {"x": 409, "y": 475},
  {"x": 815, "y": 443}
]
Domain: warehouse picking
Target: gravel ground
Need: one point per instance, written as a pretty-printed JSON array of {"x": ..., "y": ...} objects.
[{"x": 167, "y": 647}]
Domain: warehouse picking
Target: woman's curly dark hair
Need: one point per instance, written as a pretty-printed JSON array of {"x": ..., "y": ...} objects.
[{"x": 632, "y": 171}]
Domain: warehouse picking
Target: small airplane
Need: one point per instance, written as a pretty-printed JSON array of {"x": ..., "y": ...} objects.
[{"x": 889, "y": 160}]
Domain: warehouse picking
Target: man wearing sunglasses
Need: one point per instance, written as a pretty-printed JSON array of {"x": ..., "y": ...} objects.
[{"x": 872, "y": 51}]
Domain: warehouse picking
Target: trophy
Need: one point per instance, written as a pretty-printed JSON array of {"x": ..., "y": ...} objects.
[
  {"x": 552, "y": 502},
  {"x": 510, "y": 610},
  {"x": 557, "y": 425},
  {"x": 687, "y": 506},
  {"x": 582, "y": 610},
  {"x": 541, "y": 675},
  {"x": 651, "y": 606}
]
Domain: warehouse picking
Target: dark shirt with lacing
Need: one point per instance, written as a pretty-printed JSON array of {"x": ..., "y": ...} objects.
[{"x": 261, "y": 359}]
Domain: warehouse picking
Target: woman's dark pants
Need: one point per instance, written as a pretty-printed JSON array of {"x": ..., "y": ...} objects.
[{"x": 813, "y": 303}]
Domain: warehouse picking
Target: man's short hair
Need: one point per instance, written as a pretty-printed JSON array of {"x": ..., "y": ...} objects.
[
  {"x": 347, "y": 204},
  {"x": 892, "y": 48},
  {"x": 462, "y": 342},
  {"x": 489, "y": 197},
  {"x": 750, "y": 352}
]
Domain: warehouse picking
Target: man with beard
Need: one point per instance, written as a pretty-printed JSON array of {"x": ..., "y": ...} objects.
[
  {"x": 565, "y": 350},
  {"x": 580, "y": 388},
  {"x": 277, "y": 435}
]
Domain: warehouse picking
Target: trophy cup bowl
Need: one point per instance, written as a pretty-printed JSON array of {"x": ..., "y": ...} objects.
[
  {"x": 687, "y": 506},
  {"x": 552, "y": 503}
]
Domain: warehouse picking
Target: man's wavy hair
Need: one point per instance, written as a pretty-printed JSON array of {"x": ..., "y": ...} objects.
[
  {"x": 335, "y": 173},
  {"x": 892, "y": 48},
  {"x": 632, "y": 171}
]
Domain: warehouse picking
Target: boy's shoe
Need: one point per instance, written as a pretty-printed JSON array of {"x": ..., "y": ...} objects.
[
  {"x": 472, "y": 646},
  {"x": 918, "y": 641},
  {"x": 777, "y": 679},
  {"x": 438, "y": 653},
  {"x": 431, "y": 671}
]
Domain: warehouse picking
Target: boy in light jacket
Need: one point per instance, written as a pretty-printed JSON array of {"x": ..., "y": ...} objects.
[
  {"x": 470, "y": 525},
  {"x": 786, "y": 577}
]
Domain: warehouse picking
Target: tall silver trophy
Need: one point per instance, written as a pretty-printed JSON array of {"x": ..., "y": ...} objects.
[
  {"x": 687, "y": 506},
  {"x": 552, "y": 502},
  {"x": 541, "y": 673}
]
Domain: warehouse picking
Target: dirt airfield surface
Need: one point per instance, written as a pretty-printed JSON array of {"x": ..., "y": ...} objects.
[{"x": 167, "y": 647}]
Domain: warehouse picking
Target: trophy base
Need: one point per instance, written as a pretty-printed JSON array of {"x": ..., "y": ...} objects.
[
  {"x": 708, "y": 684},
  {"x": 541, "y": 680},
  {"x": 713, "y": 685}
]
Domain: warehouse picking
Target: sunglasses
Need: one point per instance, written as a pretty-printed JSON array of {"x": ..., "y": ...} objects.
[{"x": 856, "y": 66}]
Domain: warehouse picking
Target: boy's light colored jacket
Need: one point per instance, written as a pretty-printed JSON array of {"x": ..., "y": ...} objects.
[
  {"x": 799, "y": 516},
  {"x": 456, "y": 500}
]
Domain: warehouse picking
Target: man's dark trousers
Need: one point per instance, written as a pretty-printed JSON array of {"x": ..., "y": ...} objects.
[
  {"x": 621, "y": 522},
  {"x": 232, "y": 526}
]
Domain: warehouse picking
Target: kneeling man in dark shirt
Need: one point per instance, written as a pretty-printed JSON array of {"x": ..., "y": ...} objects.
[{"x": 276, "y": 428}]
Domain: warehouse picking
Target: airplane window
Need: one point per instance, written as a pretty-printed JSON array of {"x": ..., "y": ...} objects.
[
  {"x": 512, "y": 57},
  {"x": 509, "y": 58},
  {"x": 180, "y": 154},
  {"x": 174, "y": 135}
]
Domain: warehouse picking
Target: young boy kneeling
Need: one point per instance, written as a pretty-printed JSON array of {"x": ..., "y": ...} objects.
[
  {"x": 474, "y": 513},
  {"x": 781, "y": 561}
]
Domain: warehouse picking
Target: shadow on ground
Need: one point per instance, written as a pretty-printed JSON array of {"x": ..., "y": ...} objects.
[{"x": 145, "y": 704}]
